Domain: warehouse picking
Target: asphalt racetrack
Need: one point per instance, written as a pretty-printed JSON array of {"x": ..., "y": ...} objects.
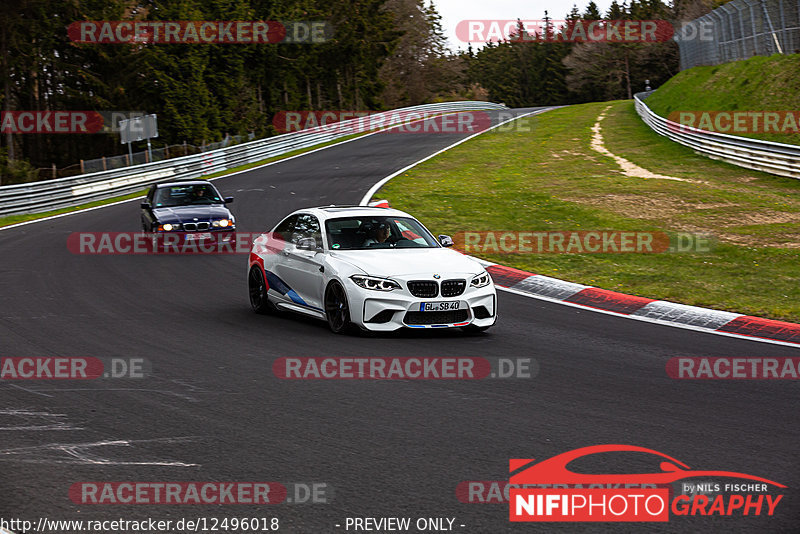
[{"x": 212, "y": 409}]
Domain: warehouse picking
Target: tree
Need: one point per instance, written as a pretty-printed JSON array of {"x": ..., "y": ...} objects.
[
  {"x": 200, "y": 92},
  {"x": 611, "y": 70},
  {"x": 592, "y": 12}
]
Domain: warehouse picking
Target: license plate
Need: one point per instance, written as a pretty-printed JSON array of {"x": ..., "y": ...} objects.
[
  {"x": 197, "y": 237},
  {"x": 439, "y": 306}
]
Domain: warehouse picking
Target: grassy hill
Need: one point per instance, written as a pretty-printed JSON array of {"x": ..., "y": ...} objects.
[{"x": 757, "y": 84}]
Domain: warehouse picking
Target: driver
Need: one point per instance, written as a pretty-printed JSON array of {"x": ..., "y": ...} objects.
[
  {"x": 378, "y": 234},
  {"x": 199, "y": 193}
]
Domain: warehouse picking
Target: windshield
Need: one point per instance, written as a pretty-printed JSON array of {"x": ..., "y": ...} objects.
[
  {"x": 184, "y": 195},
  {"x": 376, "y": 232}
]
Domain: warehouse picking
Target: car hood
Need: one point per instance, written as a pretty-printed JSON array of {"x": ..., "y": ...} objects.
[
  {"x": 183, "y": 214},
  {"x": 402, "y": 262}
]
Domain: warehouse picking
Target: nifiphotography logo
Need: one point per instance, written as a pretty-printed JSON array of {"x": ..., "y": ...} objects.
[{"x": 549, "y": 491}]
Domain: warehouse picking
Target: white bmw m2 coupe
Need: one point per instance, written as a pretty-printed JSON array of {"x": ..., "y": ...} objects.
[{"x": 370, "y": 268}]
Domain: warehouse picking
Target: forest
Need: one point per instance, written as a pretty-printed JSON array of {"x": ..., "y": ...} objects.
[{"x": 378, "y": 54}]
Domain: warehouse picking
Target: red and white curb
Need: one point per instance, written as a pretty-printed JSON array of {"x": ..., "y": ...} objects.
[{"x": 641, "y": 308}]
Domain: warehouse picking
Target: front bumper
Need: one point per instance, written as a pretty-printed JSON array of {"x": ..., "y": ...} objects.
[
  {"x": 388, "y": 311},
  {"x": 212, "y": 234}
]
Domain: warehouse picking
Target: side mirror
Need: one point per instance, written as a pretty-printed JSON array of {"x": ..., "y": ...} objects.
[
  {"x": 144, "y": 206},
  {"x": 228, "y": 200},
  {"x": 445, "y": 240},
  {"x": 307, "y": 243}
]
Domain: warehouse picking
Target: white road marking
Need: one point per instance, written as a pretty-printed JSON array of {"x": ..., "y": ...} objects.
[
  {"x": 35, "y": 421},
  {"x": 28, "y": 390},
  {"x": 81, "y": 453},
  {"x": 650, "y": 319},
  {"x": 374, "y": 189}
]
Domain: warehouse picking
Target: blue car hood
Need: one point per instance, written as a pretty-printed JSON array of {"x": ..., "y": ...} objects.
[{"x": 181, "y": 214}]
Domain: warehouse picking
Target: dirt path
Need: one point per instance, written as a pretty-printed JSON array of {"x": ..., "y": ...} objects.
[{"x": 628, "y": 168}]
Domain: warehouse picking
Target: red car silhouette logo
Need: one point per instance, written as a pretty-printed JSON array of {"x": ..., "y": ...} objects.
[{"x": 555, "y": 471}]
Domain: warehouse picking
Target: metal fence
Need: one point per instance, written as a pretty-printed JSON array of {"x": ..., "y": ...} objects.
[
  {"x": 739, "y": 30},
  {"x": 766, "y": 156},
  {"x": 64, "y": 192},
  {"x": 158, "y": 154}
]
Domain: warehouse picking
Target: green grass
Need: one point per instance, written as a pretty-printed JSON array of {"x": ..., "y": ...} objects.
[
  {"x": 549, "y": 179},
  {"x": 756, "y": 84},
  {"x": 14, "y": 219}
]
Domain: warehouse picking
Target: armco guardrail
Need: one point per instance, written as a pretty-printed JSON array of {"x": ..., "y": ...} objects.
[
  {"x": 774, "y": 158},
  {"x": 65, "y": 192}
]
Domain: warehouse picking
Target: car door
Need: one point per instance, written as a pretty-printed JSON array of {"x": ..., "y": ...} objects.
[
  {"x": 302, "y": 271},
  {"x": 275, "y": 254}
]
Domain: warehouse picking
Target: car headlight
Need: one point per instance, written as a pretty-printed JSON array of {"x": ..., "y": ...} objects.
[
  {"x": 168, "y": 227},
  {"x": 480, "y": 280},
  {"x": 222, "y": 223},
  {"x": 375, "y": 283}
]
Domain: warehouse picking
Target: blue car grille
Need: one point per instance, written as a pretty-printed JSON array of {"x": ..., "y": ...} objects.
[{"x": 196, "y": 227}]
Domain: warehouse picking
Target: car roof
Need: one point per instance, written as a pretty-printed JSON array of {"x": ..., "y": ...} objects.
[
  {"x": 183, "y": 182},
  {"x": 333, "y": 212}
]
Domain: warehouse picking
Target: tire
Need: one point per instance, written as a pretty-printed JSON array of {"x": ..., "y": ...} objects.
[
  {"x": 337, "y": 310},
  {"x": 257, "y": 290}
]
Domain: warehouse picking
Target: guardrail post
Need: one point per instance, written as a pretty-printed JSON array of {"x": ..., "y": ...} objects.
[
  {"x": 104, "y": 164},
  {"x": 55, "y": 175},
  {"x": 82, "y": 170}
]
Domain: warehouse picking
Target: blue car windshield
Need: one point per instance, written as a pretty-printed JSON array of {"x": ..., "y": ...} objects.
[
  {"x": 377, "y": 232},
  {"x": 185, "y": 195}
]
